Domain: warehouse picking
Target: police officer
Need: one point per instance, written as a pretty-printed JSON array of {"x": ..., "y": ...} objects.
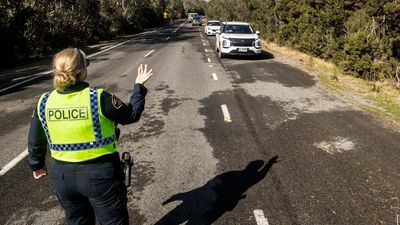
[{"x": 78, "y": 124}]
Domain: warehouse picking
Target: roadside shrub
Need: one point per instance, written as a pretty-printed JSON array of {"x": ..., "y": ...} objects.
[
  {"x": 381, "y": 70},
  {"x": 287, "y": 34},
  {"x": 357, "y": 55}
]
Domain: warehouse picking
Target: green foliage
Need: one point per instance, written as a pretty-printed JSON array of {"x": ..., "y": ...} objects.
[
  {"x": 360, "y": 36},
  {"x": 31, "y": 29},
  {"x": 357, "y": 59}
]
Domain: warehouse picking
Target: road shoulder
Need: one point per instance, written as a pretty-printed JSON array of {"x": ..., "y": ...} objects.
[{"x": 381, "y": 100}]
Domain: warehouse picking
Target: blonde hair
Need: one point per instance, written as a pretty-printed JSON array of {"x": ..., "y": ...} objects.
[{"x": 69, "y": 67}]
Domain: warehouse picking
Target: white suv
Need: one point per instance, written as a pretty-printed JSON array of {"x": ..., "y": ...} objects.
[
  {"x": 212, "y": 27},
  {"x": 237, "y": 38}
]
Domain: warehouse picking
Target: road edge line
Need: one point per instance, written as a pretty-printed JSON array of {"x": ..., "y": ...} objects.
[{"x": 13, "y": 162}]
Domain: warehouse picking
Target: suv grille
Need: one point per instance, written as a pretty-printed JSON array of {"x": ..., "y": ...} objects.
[{"x": 242, "y": 42}]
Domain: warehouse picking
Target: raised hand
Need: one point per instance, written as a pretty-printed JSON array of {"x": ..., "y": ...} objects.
[{"x": 143, "y": 74}]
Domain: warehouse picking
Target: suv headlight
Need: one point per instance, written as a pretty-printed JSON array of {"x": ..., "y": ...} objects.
[
  {"x": 257, "y": 43},
  {"x": 226, "y": 43}
]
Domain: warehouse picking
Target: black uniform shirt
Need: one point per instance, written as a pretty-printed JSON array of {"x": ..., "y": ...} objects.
[{"x": 111, "y": 106}]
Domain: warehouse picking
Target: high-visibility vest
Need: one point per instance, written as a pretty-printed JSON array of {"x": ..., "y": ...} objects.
[{"x": 75, "y": 127}]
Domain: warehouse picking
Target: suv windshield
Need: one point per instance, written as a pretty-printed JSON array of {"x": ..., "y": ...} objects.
[
  {"x": 238, "y": 29},
  {"x": 214, "y": 24}
]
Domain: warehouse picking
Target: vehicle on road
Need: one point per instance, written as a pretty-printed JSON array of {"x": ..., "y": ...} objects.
[
  {"x": 212, "y": 27},
  {"x": 196, "y": 21},
  {"x": 191, "y": 15},
  {"x": 237, "y": 38}
]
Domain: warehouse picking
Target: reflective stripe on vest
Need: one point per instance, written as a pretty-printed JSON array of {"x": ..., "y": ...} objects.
[{"x": 98, "y": 142}]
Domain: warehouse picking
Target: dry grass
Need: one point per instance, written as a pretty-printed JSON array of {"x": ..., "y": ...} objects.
[{"x": 381, "y": 99}]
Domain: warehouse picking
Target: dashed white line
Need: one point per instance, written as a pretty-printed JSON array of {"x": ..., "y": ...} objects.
[
  {"x": 204, "y": 44},
  {"x": 149, "y": 53},
  {"x": 108, "y": 49},
  {"x": 38, "y": 75},
  {"x": 21, "y": 156},
  {"x": 149, "y": 32},
  {"x": 179, "y": 27},
  {"x": 227, "y": 116},
  {"x": 214, "y": 76},
  {"x": 34, "y": 77},
  {"x": 167, "y": 38},
  {"x": 206, "y": 50},
  {"x": 13, "y": 162},
  {"x": 260, "y": 218},
  {"x": 208, "y": 60}
]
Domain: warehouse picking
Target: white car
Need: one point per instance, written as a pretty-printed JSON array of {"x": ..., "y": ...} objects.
[
  {"x": 237, "y": 38},
  {"x": 212, "y": 27}
]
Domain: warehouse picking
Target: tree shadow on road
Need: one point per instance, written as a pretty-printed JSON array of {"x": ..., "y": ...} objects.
[{"x": 204, "y": 205}]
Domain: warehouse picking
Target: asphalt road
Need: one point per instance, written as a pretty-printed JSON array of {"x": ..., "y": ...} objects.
[{"x": 292, "y": 153}]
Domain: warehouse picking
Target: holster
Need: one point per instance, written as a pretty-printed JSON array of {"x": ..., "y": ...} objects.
[{"x": 126, "y": 166}]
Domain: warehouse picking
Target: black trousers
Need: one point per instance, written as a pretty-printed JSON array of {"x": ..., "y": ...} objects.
[{"x": 91, "y": 189}]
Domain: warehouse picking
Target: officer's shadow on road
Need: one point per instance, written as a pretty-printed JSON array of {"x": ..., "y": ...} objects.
[{"x": 204, "y": 205}]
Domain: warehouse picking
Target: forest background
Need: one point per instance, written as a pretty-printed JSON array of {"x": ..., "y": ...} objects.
[
  {"x": 33, "y": 29},
  {"x": 362, "y": 37}
]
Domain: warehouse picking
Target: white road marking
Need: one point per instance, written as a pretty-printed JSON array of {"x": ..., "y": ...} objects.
[
  {"x": 19, "y": 78},
  {"x": 149, "y": 32},
  {"x": 227, "y": 116},
  {"x": 210, "y": 66},
  {"x": 204, "y": 44},
  {"x": 13, "y": 162},
  {"x": 21, "y": 156},
  {"x": 202, "y": 40},
  {"x": 108, "y": 49},
  {"x": 34, "y": 77},
  {"x": 167, "y": 38},
  {"x": 205, "y": 50},
  {"x": 41, "y": 74},
  {"x": 215, "y": 76},
  {"x": 209, "y": 60},
  {"x": 149, "y": 53},
  {"x": 260, "y": 218},
  {"x": 179, "y": 27}
]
